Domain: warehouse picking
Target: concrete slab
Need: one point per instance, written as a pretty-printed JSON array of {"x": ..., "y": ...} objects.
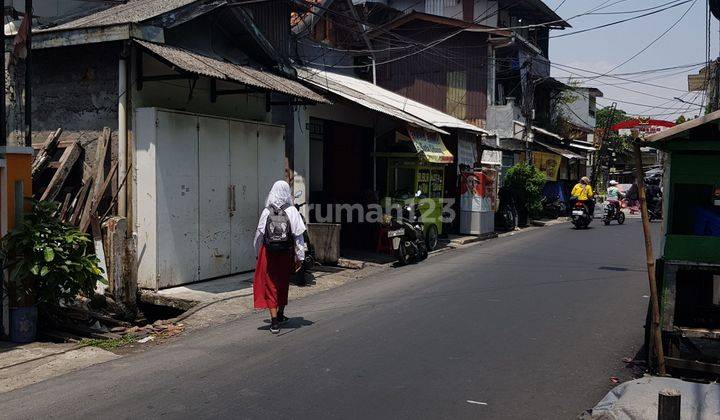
[
  {"x": 211, "y": 290},
  {"x": 27, "y": 370}
]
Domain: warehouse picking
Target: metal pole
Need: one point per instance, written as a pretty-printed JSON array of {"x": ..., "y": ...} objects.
[
  {"x": 3, "y": 111},
  {"x": 650, "y": 257},
  {"x": 28, "y": 75},
  {"x": 122, "y": 134}
]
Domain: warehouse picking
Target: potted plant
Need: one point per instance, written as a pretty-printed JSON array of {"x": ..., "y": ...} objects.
[
  {"x": 48, "y": 265},
  {"x": 526, "y": 183}
]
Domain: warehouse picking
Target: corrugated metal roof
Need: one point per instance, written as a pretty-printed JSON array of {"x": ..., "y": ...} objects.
[
  {"x": 540, "y": 130},
  {"x": 561, "y": 151},
  {"x": 211, "y": 67},
  {"x": 385, "y": 101},
  {"x": 134, "y": 11}
]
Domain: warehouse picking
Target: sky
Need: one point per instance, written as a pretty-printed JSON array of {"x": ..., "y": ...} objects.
[{"x": 602, "y": 49}]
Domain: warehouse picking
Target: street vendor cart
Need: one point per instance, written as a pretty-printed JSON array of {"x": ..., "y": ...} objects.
[
  {"x": 417, "y": 162},
  {"x": 688, "y": 269}
]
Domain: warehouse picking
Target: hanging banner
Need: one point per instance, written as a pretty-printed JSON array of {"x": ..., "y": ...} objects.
[
  {"x": 430, "y": 145},
  {"x": 549, "y": 163}
]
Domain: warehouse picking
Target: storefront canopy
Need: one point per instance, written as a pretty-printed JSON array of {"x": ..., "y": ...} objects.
[
  {"x": 430, "y": 146},
  {"x": 560, "y": 151},
  {"x": 381, "y": 100}
]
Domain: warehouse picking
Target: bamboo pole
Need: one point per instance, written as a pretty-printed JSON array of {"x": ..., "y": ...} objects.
[{"x": 650, "y": 256}]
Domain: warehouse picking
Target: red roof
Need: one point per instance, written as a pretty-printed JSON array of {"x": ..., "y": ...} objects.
[{"x": 642, "y": 121}]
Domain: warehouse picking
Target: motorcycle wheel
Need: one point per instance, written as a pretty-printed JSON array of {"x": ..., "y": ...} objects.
[
  {"x": 402, "y": 255},
  {"x": 621, "y": 218},
  {"x": 606, "y": 221},
  {"x": 431, "y": 238}
]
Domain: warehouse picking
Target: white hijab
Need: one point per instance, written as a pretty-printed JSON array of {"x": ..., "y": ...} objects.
[{"x": 280, "y": 195}]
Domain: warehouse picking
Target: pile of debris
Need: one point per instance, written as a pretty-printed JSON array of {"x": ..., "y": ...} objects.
[{"x": 60, "y": 172}]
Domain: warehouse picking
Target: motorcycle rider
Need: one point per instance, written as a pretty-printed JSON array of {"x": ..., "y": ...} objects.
[
  {"x": 582, "y": 191},
  {"x": 614, "y": 195},
  {"x": 653, "y": 194}
]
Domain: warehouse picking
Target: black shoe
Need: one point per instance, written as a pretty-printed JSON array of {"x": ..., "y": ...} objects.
[
  {"x": 274, "y": 326},
  {"x": 282, "y": 319}
]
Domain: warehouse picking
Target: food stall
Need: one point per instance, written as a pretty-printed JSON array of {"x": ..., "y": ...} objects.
[
  {"x": 688, "y": 270},
  {"x": 417, "y": 162}
]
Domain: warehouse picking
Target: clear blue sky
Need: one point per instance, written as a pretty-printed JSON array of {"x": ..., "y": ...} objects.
[{"x": 600, "y": 50}]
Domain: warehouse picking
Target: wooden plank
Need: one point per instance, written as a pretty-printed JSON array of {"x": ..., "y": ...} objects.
[
  {"x": 46, "y": 151},
  {"x": 693, "y": 365},
  {"x": 98, "y": 177},
  {"x": 80, "y": 202},
  {"x": 92, "y": 204},
  {"x": 65, "y": 206},
  {"x": 67, "y": 161}
]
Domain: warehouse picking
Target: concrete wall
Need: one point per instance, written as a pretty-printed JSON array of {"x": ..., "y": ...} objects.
[
  {"x": 500, "y": 118},
  {"x": 75, "y": 88},
  {"x": 578, "y": 112}
]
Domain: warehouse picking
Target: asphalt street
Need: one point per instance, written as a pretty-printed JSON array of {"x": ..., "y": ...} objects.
[{"x": 530, "y": 326}]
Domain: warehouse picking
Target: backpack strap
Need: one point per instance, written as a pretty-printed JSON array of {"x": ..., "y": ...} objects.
[{"x": 285, "y": 206}]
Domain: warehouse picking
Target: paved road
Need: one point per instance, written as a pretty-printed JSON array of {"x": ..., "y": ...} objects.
[{"x": 528, "y": 327}]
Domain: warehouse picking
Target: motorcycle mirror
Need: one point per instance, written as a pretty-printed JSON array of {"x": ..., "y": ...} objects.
[{"x": 418, "y": 193}]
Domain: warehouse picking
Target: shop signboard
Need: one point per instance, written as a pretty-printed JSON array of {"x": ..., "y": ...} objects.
[
  {"x": 430, "y": 145},
  {"x": 548, "y": 163}
]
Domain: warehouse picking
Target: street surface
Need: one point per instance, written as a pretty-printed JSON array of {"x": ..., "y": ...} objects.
[{"x": 530, "y": 326}]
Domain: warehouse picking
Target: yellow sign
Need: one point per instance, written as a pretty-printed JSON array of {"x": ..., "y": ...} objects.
[
  {"x": 549, "y": 163},
  {"x": 430, "y": 145}
]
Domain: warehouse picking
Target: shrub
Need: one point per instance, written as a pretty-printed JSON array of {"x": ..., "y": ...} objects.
[
  {"x": 48, "y": 260},
  {"x": 527, "y": 182}
]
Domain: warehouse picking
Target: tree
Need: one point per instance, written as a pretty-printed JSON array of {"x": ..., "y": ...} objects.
[
  {"x": 603, "y": 115},
  {"x": 681, "y": 119}
]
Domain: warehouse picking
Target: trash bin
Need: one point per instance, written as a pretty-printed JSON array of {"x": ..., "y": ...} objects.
[{"x": 325, "y": 237}]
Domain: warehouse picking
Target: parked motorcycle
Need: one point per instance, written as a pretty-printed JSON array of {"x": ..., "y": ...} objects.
[
  {"x": 580, "y": 215},
  {"x": 406, "y": 234},
  {"x": 613, "y": 212},
  {"x": 300, "y": 277},
  {"x": 552, "y": 207},
  {"x": 506, "y": 215}
]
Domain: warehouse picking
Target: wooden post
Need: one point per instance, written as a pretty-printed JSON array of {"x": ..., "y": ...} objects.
[
  {"x": 669, "y": 404},
  {"x": 650, "y": 256}
]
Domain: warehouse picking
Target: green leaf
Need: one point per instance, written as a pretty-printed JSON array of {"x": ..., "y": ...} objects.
[
  {"x": 49, "y": 254},
  {"x": 35, "y": 269},
  {"x": 44, "y": 271}
]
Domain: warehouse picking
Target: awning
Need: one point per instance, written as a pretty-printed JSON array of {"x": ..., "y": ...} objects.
[
  {"x": 430, "y": 145},
  {"x": 540, "y": 130},
  {"x": 382, "y": 100},
  {"x": 588, "y": 147},
  {"x": 560, "y": 151},
  {"x": 221, "y": 70}
]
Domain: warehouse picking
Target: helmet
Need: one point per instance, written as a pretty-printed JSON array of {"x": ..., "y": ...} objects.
[
  {"x": 613, "y": 182},
  {"x": 585, "y": 180}
]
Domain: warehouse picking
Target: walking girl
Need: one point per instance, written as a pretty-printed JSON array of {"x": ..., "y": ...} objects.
[{"x": 280, "y": 248}]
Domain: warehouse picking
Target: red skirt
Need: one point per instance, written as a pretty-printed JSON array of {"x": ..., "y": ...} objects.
[{"x": 272, "y": 279}]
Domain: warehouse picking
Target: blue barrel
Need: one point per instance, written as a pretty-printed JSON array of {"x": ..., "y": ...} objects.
[{"x": 23, "y": 324}]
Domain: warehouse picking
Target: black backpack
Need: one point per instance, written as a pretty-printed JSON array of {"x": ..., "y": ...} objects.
[{"x": 278, "y": 232}]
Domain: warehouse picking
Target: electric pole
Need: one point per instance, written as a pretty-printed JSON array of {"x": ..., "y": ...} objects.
[
  {"x": 601, "y": 151},
  {"x": 28, "y": 74}
]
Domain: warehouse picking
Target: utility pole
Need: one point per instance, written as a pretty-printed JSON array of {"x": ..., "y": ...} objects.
[
  {"x": 527, "y": 105},
  {"x": 28, "y": 75},
  {"x": 3, "y": 112},
  {"x": 601, "y": 151}
]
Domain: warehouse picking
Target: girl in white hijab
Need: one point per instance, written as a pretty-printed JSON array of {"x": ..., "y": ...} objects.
[{"x": 273, "y": 269}]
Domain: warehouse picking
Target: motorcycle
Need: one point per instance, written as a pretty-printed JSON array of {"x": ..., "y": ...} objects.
[
  {"x": 507, "y": 211},
  {"x": 552, "y": 207},
  {"x": 613, "y": 212},
  {"x": 406, "y": 234},
  {"x": 580, "y": 215},
  {"x": 300, "y": 277}
]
